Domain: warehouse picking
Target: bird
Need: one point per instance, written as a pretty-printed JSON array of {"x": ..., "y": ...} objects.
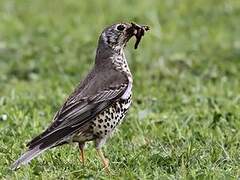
[{"x": 98, "y": 104}]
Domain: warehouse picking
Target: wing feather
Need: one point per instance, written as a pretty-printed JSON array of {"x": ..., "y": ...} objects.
[{"x": 73, "y": 116}]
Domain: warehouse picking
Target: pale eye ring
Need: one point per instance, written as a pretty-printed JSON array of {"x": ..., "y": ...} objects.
[{"x": 120, "y": 27}]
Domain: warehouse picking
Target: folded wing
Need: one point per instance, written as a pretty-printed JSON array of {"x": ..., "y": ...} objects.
[{"x": 81, "y": 107}]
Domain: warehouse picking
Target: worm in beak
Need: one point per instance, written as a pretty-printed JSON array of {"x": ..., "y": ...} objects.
[{"x": 139, "y": 31}]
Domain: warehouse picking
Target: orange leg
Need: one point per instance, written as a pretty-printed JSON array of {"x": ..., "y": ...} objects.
[
  {"x": 81, "y": 147},
  {"x": 104, "y": 160}
]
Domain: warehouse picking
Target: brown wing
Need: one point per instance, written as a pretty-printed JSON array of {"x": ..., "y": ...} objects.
[{"x": 97, "y": 92}]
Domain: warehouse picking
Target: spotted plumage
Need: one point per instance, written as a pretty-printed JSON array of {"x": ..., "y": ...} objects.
[
  {"x": 104, "y": 124},
  {"x": 98, "y": 104}
]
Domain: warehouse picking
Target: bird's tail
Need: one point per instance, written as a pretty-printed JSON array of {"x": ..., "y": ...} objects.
[{"x": 27, "y": 157}]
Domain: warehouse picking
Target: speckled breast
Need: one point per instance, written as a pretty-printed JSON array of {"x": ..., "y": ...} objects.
[{"x": 105, "y": 123}]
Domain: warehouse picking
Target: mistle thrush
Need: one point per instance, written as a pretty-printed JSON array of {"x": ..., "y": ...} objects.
[{"x": 98, "y": 104}]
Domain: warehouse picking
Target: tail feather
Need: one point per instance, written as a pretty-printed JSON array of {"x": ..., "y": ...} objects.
[{"x": 27, "y": 157}]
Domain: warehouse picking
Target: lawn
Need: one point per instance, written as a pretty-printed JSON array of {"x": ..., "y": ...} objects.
[{"x": 185, "y": 119}]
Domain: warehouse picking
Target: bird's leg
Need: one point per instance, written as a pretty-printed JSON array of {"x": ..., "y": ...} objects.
[
  {"x": 104, "y": 160},
  {"x": 81, "y": 147}
]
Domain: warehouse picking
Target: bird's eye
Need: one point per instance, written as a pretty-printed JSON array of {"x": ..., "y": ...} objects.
[{"x": 120, "y": 27}]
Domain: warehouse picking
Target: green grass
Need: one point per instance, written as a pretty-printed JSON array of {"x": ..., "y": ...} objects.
[{"x": 185, "y": 118}]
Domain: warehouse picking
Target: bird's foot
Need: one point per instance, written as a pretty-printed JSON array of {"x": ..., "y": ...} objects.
[
  {"x": 106, "y": 165},
  {"x": 104, "y": 160}
]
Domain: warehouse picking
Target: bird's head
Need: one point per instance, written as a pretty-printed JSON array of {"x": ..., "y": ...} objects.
[{"x": 116, "y": 36}]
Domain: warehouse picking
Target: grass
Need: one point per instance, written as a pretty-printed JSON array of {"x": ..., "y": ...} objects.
[{"x": 185, "y": 118}]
